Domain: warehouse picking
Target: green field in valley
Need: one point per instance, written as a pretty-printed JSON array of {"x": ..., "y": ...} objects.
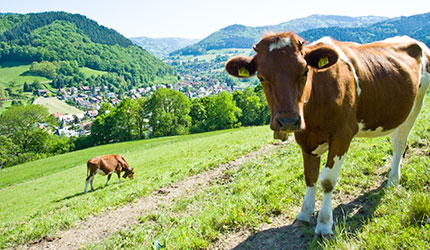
[
  {"x": 18, "y": 73},
  {"x": 57, "y": 106}
]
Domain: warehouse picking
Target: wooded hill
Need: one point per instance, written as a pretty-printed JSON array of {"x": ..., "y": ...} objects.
[
  {"x": 241, "y": 36},
  {"x": 61, "y": 36},
  {"x": 416, "y": 26}
]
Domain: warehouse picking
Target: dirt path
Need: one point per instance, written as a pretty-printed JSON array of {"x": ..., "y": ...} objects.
[{"x": 96, "y": 229}]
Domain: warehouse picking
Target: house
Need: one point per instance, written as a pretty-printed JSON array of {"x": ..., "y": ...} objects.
[
  {"x": 42, "y": 92},
  {"x": 92, "y": 113},
  {"x": 110, "y": 95},
  {"x": 57, "y": 115}
]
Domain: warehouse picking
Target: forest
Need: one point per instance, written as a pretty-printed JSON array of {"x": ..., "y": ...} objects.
[
  {"x": 58, "y": 36},
  {"x": 26, "y": 132}
]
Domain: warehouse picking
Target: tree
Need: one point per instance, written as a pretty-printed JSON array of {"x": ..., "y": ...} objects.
[
  {"x": 198, "y": 115},
  {"x": 252, "y": 107},
  {"x": 222, "y": 112},
  {"x": 27, "y": 127},
  {"x": 141, "y": 115},
  {"x": 169, "y": 113}
]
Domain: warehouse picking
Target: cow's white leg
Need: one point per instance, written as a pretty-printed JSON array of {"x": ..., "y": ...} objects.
[
  {"x": 311, "y": 169},
  {"x": 308, "y": 206},
  {"x": 399, "y": 137},
  {"x": 328, "y": 182},
  {"x": 86, "y": 185},
  {"x": 91, "y": 182}
]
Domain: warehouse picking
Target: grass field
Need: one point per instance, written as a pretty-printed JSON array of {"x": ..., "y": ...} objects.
[
  {"x": 55, "y": 106},
  {"x": 44, "y": 196},
  {"x": 18, "y": 73},
  {"x": 89, "y": 72},
  {"x": 273, "y": 186},
  {"x": 34, "y": 204}
]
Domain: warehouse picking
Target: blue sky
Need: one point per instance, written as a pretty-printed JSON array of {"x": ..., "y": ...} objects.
[{"x": 199, "y": 18}]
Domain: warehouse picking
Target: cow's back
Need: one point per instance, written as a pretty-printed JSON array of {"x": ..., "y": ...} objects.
[
  {"x": 105, "y": 163},
  {"x": 387, "y": 80}
]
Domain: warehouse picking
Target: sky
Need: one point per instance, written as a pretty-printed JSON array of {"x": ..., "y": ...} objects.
[{"x": 199, "y": 18}]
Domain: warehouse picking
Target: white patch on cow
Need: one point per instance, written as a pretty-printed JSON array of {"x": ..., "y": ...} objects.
[
  {"x": 308, "y": 206},
  {"x": 101, "y": 172},
  {"x": 325, "y": 216},
  {"x": 379, "y": 131},
  {"x": 398, "y": 39},
  {"x": 321, "y": 149},
  {"x": 284, "y": 42},
  {"x": 327, "y": 40}
]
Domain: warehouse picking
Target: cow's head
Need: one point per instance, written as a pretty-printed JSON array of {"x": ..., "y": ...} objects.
[
  {"x": 282, "y": 64},
  {"x": 129, "y": 172}
]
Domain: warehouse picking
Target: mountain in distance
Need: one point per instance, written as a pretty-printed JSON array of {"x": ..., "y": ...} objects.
[
  {"x": 241, "y": 36},
  {"x": 161, "y": 47},
  {"x": 416, "y": 26}
]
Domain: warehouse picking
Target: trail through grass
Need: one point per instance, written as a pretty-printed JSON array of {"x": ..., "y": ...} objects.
[
  {"x": 42, "y": 205},
  {"x": 368, "y": 216}
]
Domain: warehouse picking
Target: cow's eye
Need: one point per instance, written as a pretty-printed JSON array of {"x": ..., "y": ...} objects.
[{"x": 261, "y": 79}]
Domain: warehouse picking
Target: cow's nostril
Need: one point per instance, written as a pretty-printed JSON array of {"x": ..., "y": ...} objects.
[{"x": 289, "y": 123}]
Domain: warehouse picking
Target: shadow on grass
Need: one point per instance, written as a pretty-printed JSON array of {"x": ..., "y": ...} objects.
[
  {"x": 353, "y": 216},
  {"x": 78, "y": 194}
]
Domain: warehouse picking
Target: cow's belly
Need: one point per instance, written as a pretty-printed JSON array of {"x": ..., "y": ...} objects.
[
  {"x": 379, "y": 131},
  {"x": 101, "y": 172}
]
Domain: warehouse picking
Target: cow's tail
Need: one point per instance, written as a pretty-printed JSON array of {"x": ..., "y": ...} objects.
[{"x": 88, "y": 169}]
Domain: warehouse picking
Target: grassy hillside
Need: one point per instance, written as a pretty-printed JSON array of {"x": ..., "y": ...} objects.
[
  {"x": 17, "y": 73},
  {"x": 56, "y": 106},
  {"x": 60, "y": 36},
  {"x": 41, "y": 197},
  {"x": 261, "y": 199}
]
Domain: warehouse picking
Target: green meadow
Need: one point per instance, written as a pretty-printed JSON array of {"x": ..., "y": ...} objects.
[
  {"x": 17, "y": 73},
  {"x": 42, "y": 197},
  {"x": 55, "y": 106},
  {"x": 39, "y": 198}
]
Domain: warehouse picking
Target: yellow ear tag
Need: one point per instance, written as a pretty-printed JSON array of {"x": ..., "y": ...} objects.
[
  {"x": 243, "y": 72},
  {"x": 323, "y": 62}
]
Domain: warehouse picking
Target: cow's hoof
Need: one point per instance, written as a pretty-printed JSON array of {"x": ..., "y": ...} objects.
[
  {"x": 324, "y": 236},
  {"x": 300, "y": 223}
]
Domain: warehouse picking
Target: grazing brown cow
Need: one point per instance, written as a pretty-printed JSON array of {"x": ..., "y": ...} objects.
[
  {"x": 328, "y": 92},
  {"x": 106, "y": 165}
]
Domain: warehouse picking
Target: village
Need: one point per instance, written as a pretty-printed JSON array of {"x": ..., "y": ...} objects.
[{"x": 89, "y": 100}]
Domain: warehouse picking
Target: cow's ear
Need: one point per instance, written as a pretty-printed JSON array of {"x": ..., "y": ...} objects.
[
  {"x": 322, "y": 57},
  {"x": 242, "y": 67}
]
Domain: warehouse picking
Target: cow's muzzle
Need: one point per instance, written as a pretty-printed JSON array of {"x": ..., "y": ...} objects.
[{"x": 289, "y": 124}]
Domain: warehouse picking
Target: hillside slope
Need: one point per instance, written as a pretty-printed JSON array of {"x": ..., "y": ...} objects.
[
  {"x": 241, "y": 36},
  {"x": 161, "y": 47},
  {"x": 60, "y": 36}
]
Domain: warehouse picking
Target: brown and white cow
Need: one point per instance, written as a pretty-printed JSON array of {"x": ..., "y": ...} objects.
[
  {"x": 106, "y": 165},
  {"x": 328, "y": 92}
]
